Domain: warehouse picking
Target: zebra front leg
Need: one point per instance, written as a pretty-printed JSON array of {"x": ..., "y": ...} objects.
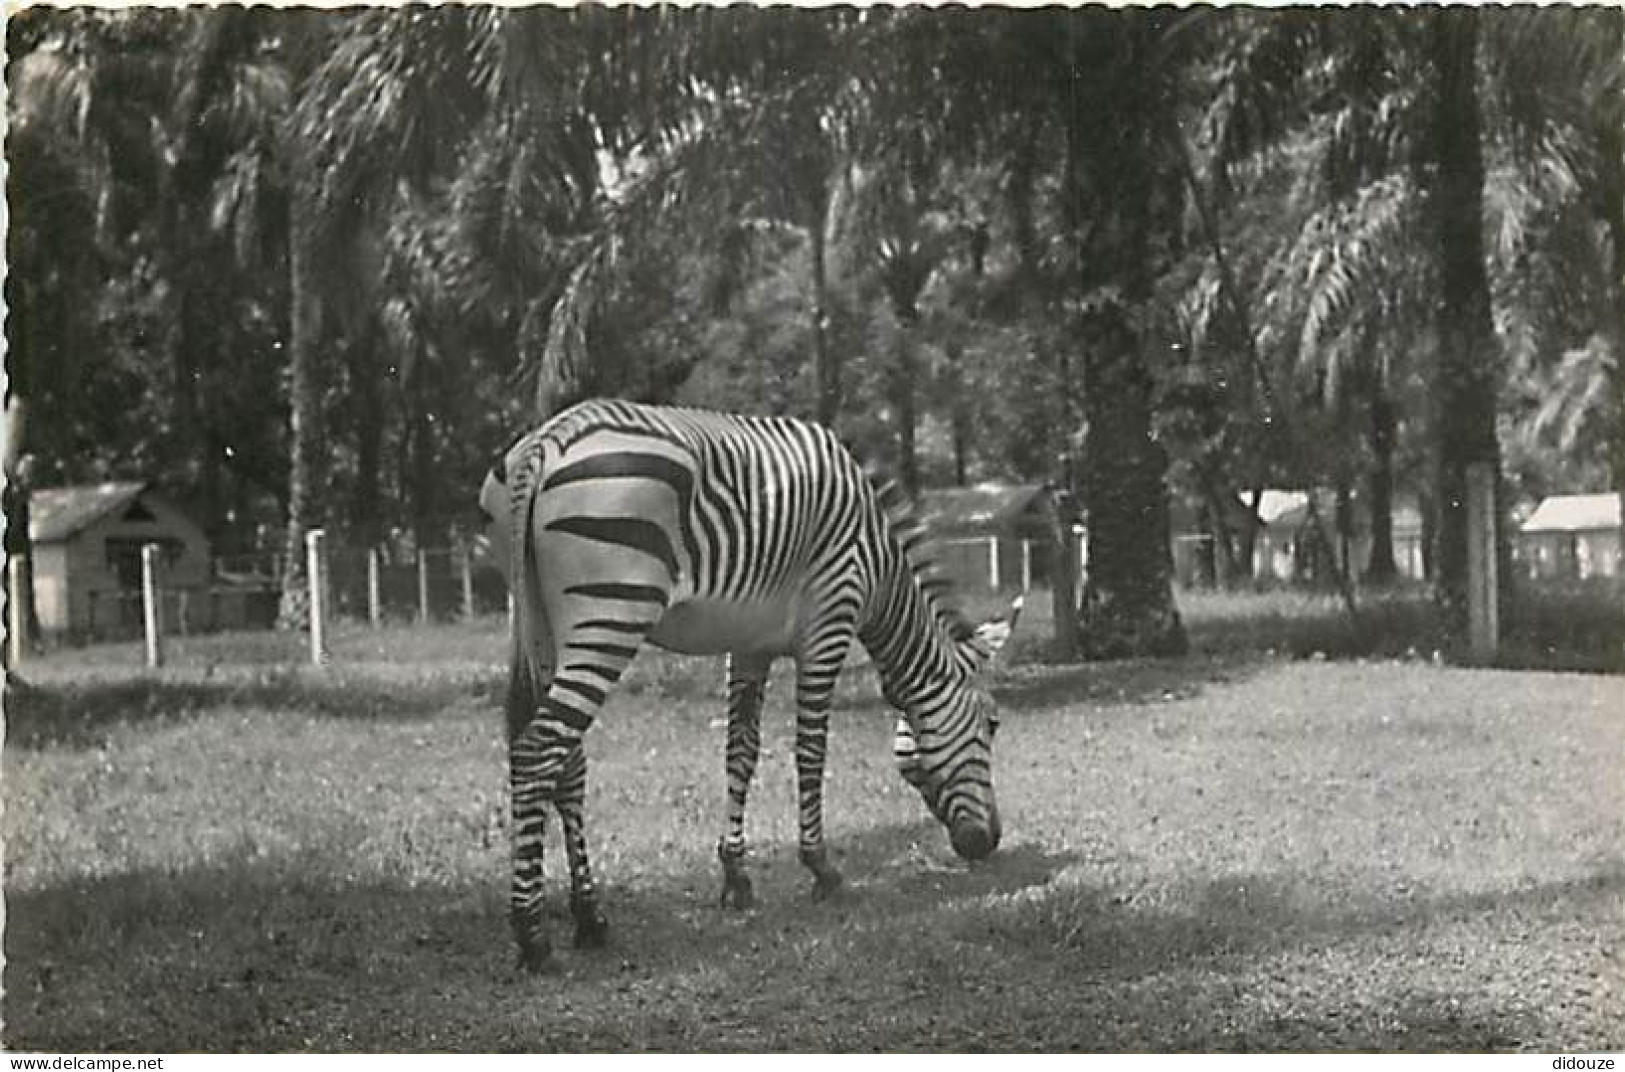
[
  {"x": 592, "y": 929},
  {"x": 816, "y": 670},
  {"x": 812, "y": 732},
  {"x": 747, "y": 681}
]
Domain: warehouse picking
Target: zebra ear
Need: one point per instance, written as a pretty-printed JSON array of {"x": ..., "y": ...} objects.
[
  {"x": 494, "y": 504},
  {"x": 991, "y": 637}
]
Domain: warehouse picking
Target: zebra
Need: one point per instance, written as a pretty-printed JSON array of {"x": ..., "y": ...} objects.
[{"x": 711, "y": 533}]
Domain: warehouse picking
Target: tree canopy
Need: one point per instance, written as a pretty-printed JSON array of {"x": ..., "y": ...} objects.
[{"x": 313, "y": 268}]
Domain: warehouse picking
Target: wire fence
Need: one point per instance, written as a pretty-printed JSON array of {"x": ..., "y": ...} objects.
[
  {"x": 380, "y": 586},
  {"x": 243, "y": 591}
]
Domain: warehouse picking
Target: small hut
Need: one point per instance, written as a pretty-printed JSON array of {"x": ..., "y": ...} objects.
[
  {"x": 1572, "y": 537},
  {"x": 994, "y": 535},
  {"x": 86, "y": 542}
]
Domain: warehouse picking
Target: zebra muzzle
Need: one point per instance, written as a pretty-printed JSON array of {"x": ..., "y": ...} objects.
[{"x": 973, "y": 841}]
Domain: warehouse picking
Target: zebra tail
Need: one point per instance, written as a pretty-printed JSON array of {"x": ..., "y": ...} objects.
[{"x": 532, "y": 639}]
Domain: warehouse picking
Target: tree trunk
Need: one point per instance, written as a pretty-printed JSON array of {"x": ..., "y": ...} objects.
[
  {"x": 959, "y": 417},
  {"x": 1247, "y": 539},
  {"x": 1612, "y": 206},
  {"x": 16, "y": 496},
  {"x": 426, "y": 531},
  {"x": 307, "y": 447},
  {"x": 1379, "y": 567},
  {"x": 1205, "y": 570},
  {"x": 1343, "y": 526},
  {"x": 903, "y": 285},
  {"x": 1465, "y": 383},
  {"x": 1111, "y": 181},
  {"x": 1128, "y": 600},
  {"x": 1064, "y": 591},
  {"x": 1430, "y": 534},
  {"x": 826, "y": 364},
  {"x": 905, "y": 390},
  {"x": 366, "y": 521}
]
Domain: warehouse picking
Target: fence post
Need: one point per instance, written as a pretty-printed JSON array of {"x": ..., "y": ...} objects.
[
  {"x": 315, "y": 573},
  {"x": 149, "y": 604},
  {"x": 375, "y": 609},
  {"x": 1026, "y": 564},
  {"x": 993, "y": 562},
  {"x": 1483, "y": 618},
  {"x": 468, "y": 583},
  {"x": 16, "y": 620}
]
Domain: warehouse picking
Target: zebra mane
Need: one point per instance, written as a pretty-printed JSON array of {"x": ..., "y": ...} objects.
[{"x": 920, "y": 550}]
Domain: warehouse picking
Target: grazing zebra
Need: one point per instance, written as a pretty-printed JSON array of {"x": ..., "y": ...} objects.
[{"x": 707, "y": 533}]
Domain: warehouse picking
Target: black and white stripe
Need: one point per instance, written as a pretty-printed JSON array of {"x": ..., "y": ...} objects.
[{"x": 707, "y": 533}]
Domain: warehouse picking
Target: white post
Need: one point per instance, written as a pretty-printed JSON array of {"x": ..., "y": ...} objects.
[
  {"x": 468, "y": 583},
  {"x": 315, "y": 574},
  {"x": 149, "y": 604},
  {"x": 1026, "y": 564},
  {"x": 993, "y": 562},
  {"x": 1483, "y": 618},
  {"x": 375, "y": 603},
  {"x": 16, "y": 620},
  {"x": 423, "y": 586}
]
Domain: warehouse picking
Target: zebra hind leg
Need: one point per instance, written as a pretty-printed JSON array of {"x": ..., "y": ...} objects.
[
  {"x": 747, "y": 681},
  {"x": 548, "y": 768},
  {"x": 527, "y": 839},
  {"x": 528, "y": 794},
  {"x": 592, "y": 929}
]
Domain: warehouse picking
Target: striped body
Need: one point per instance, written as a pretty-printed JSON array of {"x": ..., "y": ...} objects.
[{"x": 706, "y": 533}]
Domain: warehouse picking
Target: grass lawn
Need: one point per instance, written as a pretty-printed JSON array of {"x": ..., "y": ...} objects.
[{"x": 1229, "y": 852}]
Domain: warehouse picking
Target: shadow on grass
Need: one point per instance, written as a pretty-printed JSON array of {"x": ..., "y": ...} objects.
[
  {"x": 280, "y": 955},
  {"x": 1128, "y": 682},
  {"x": 82, "y": 715}
]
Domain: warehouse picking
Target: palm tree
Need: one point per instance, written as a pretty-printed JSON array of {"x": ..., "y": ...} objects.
[
  {"x": 1390, "y": 165},
  {"x": 1465, "y": 384},
  {"x": 1073, "y": 103},
  {"x": 397, "y": 111},
  {"x": 1556, "y": 104}
]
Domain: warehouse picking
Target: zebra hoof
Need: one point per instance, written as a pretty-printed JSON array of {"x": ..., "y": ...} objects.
[
  {"x": 592, "y": 930},
  {"x": 535, "y": 951},
  {"x": 538, "y": 961},
  {"x": 827, "y": 884},
  {"x": 737, "y": 893}
]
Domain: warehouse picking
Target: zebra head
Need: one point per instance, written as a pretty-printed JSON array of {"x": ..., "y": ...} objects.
[{"x": 945, "y": 750}]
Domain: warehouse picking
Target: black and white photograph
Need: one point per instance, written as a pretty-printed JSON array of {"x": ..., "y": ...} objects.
[{"x": 895, "y": 529}]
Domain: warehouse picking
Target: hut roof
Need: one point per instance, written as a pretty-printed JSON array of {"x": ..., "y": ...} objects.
[
  {"x": 56, "y": 514},
  {"x": 981, "y": 507},
  {"x": 1575, "y": 513}
]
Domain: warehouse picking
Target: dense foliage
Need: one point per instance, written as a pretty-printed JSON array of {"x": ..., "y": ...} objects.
[{"x": 313, "y": 268}]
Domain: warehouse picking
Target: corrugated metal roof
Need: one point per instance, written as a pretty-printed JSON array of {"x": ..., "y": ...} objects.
[
  {"x": 1575, "y": 513},
  {"x": 56, "y": 514},
  {"x": 1275, "y": 504},
  {"x": 1291, "y": 512}
]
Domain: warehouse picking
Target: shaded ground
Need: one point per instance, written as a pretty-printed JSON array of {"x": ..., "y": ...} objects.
[{"x": 1201, "y": 855}]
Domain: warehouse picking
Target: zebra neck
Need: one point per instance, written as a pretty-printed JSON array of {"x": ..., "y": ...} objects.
[{"x": 912, "y": 653}]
